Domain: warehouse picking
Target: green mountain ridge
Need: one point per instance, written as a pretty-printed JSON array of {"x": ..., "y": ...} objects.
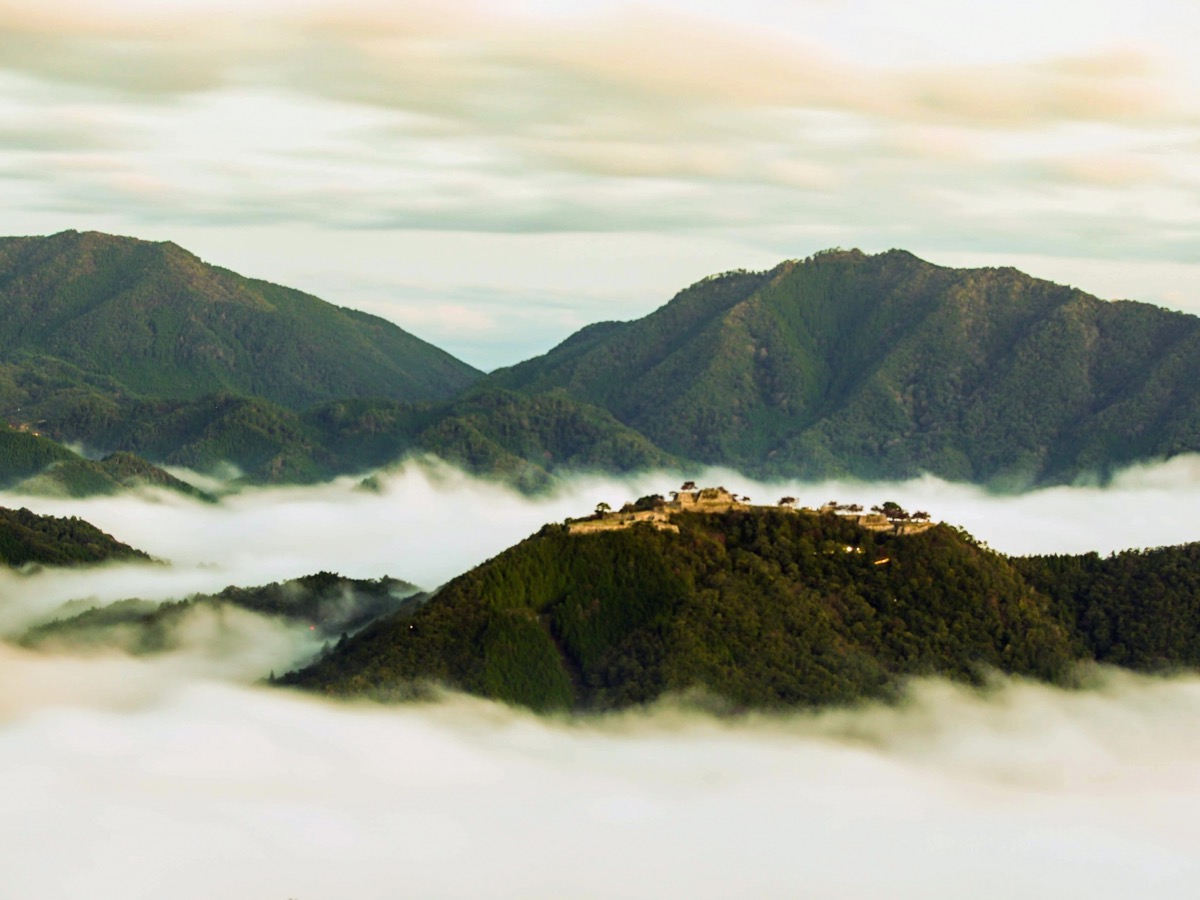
[
  {"x": 33, "y": 464},
  {"x": 840, "y": 365},
  {"x": 27, "y": 538},
  {"x": 886, "y": 366},
  {"x": 152, "y": 320}
]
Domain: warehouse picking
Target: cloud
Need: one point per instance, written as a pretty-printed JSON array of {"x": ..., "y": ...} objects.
[
  {"x": 130, "y": 783},
  {"x": 129, "y": 777},
  {"x": 1032, "y": 129},
  {"x": 430, "y": 522}
]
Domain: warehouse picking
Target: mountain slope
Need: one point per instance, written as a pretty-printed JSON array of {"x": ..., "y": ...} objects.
[
  {"x": 887, "y": 366},
  {"x": 31, "y": 463},
  {"x": 761, "y": 607},
  {"x": 150, "y": 319},
  {"x": 26, "y": 538}
]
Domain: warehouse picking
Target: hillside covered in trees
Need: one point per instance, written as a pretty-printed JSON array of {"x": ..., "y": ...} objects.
[
  {"x": 767, "y": 608},
  {"x": 843, "y": 364},
  {"x": 886, "y": 366},
  {"x": 27, "y": 538},
  {"x": 763, "y": 608},
  {"x": 103, "y": 316}
]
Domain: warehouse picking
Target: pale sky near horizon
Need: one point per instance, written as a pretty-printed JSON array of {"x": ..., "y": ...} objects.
[{"x": 492, "y": 176}]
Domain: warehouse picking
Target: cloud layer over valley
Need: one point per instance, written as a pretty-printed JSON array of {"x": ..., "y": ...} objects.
[
  {"x": 168, "y": 775},
  {"x": 428, "y": 523},
  {"x": 194, "y": 790}
]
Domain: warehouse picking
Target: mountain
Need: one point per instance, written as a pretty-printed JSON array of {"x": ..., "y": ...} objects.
[
  {"x": 521, "y": 439},
  {"x": 95, "y": 318},
  {"x": 886, "y": 366},
  {"x": 138, "y": 347},
  {"x": 843, "y": 364},
  {"x": 762, "y": 607},
  {"x": 32, "y": 464},
  {"x": 328, "y": 603},
  {"x": 27, "y": 538}
]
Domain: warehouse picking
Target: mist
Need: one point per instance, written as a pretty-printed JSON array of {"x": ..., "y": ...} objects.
[
  {"x": 118, "y": 785},
  {"x": 428, "y": 522},
  {"x": 180, "y": 775}
]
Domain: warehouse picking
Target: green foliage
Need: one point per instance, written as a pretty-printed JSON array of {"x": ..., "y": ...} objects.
[
  {"x": 161, "y": 323},
  {"x": 23, "y": 455},
  {"x": 763, "y": 608},
  {"x": 27, "y": 538},
  {"x": 1139, "y": 608},
  {"x": 886, "y": 367}
]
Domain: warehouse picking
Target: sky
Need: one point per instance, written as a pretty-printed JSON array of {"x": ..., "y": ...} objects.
[{"x": 492, "y": 176}]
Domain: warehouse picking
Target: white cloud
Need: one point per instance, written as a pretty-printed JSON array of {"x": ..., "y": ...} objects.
[
  {"x": 430, "y": 522},
  {"x": 790, "y": 126},
  {"x": 133, "y": 782}
]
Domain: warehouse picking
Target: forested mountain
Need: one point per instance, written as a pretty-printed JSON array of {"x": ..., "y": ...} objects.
[
  {"x": 760, "y": 607},
  {"x": 1138, "y": 608},
  {"x": 90, "y": 318},
  {"x": 767, "y": 608},
  {"x": 519, "y": 438},
  {"x": 32, "y": 464},
  {"x": 27, "y": 538},
  {"x": 328, "y": 603},
  {"x": 886, "y": 367},
  {"x": 125, "y": 345},
  {"x": 843, "y": 364}
]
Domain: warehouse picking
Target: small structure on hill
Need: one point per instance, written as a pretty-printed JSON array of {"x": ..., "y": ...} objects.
[{"x": 657, "y": 511}]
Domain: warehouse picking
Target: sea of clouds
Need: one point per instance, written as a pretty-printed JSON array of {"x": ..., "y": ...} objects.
[{"x": 180, "y": 776}]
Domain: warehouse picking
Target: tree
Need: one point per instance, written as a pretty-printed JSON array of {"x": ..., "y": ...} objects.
[
  {"x": 787, "y": 501},
  {"x": 602, "y": 508},
  {"x": 688, "y": 486}
]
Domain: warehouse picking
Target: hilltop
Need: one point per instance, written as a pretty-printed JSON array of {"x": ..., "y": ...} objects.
[
  {"x": 33, "y": 464},
  {"x": 119, "y": 316},
  {"x": 762, "y": 606},
  {"x": 27, "y": 538},
  {"x": 329, "y": 604}
]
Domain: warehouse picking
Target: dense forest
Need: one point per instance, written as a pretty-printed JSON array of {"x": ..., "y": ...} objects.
[
  {"x": 27, "y": 538},
  {"x": 1138, "y": 608},
  {"x": 110, "y": 316},
  {"x": 843, "y": 364},
  {"x": 886, "y": 366},
  {"x": 761, "y": 608}
]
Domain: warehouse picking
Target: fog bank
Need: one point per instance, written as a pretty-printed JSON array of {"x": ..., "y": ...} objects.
[
  {"x": 429, "y": 522},
  {"x": 192, "y": 789},
  {"x": 169, "y": 776}
]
